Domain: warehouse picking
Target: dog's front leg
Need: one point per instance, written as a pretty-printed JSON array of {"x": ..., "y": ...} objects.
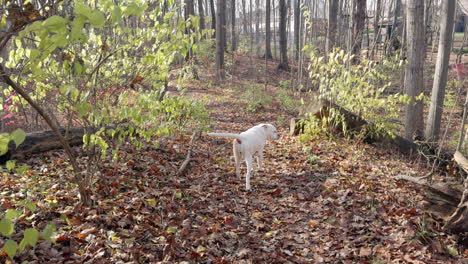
[
  {"x": 260, "y": 160},
  {"x": 248, "y": 161}
]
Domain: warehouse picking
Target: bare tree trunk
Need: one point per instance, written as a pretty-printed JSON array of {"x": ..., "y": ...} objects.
[
  {"x": 251, "y": 29},
  {"x": 233, "y": 25},
  {"x": 283, "y": 9},
  {"x": 220, "y": 39},
  {"x": 332, "y": 25},
  {"x": 297, "y": 19},
  {"x": 396, "y": 29},
  {"x": 257, "y": 27},
  {"x": 213, "y": 18},
  {"x": 274, "y": 30},
  {"x": 224, "y": 26},
  {"x": 427, "y": 19},
  {"x": 245, "y": 18},
  {"x": 267, "y": 30},
  {"x": 189, "y": 9},
  {"x": 350, "y": 25},
  {"x": 441, "y": 70},
  {"x": 414, "y": 69},
  {"x": 378, "y": 7},
  {"x": 359, "y": 21},
  {"x": 201, "y": 15}
]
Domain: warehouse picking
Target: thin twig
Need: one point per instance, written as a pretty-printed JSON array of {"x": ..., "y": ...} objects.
[{"x": 194, "y": 137}]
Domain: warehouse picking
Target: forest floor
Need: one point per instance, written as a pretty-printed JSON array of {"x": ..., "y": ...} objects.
[{"x": 320, "y": 201}]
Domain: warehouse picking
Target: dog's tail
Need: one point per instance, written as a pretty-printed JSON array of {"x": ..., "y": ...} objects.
[{"x": 227, "y": 135}]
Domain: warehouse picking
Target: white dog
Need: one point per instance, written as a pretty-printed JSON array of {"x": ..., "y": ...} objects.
[{"x": 250, "y": 143}]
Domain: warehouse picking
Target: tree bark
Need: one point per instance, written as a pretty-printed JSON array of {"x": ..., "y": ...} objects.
[
  {"x": 233, "y": 26},
  {"x": 257, "y": 27},
  {"x": 246, "y": 31},
  {"x": 224, "y": 26},
  {"x": 378, "y": 7},
  {"x": 268, "y": 30},
  {"x": 332, "y": 25},
  {"x": 297, "y": 19},
  {"x": 213, "y": 18},
  {"x": 201, "y": 15},
  {"x": 189, "y": 9},
  {"x": 274, "y": 30},
  {"x": 441, "y": 71},
  {"x": 358, "y": 27},
  {"x": 396, "y": 29},
  {"x": 414, "y": 69},
  {"x": 283, "y": 9},
  {"x": 220, "y": 39}
]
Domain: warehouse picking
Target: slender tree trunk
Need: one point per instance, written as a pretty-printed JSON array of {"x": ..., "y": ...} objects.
[
  {"x": 274, "y": 30},
  {"x": 378, "y": 7},
  {"x": 332, "y": 25},
  {"x": 396, "y": 29},
  {"x": 220, "y": 39},
  {"x": 414, "y": 69},
  {"x": 441, "y": 70},
  {"x": 189, "y": 9},
  {"x": 233, "y": 26},
  {"x": 201, "y": 15},
  {"x": 251, "y": 29},
  {"x": 428, "y": 18},
  {"x": 257, "y": 27},
  {"x": 350, "y": 21},
  {"x": 297, "y": 19},
  {"x": 224, "y": 25},
  {"x": 267, "y": 30},
  {"x": 283, "y": 9},
  {"x": 213, "y": 18},
  {"x": 245, "y": 18},
  {"x": 359, "y": 21}
]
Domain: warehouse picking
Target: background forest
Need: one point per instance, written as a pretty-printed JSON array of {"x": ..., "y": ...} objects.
[{"x": 106, "y": 105}]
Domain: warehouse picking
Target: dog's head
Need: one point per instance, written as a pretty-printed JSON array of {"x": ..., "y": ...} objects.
[{"x": 271, "y": 132}]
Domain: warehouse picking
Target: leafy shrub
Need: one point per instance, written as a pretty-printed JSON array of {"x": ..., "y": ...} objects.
[
  {"x": 256, "y": 98},
  {"x": 90, "y": 69},
  {"x": 285, "y": 96},
  {"x": 30, "y": 235},
  {"x": 361, "y": 89}
]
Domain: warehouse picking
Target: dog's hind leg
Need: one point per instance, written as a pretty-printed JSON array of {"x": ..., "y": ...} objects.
[
  {"x": 248, "y": 161},
  {"x": 237, "y": 157}
]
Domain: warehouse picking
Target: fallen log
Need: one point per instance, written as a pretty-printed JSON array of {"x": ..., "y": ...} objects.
[
  {"x": 42, "y": 141},
  {"x": 440, "y": 199},
  {"x": 458, "y": 221},
  {"x": 322, "y": 109}
]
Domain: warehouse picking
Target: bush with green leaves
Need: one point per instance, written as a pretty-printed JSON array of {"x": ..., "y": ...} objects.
[
  {"x": 361, "y": 89},
  {"x": 18, "y": 136},
  {"x": 286, "y": 96},
  {"x": 105, "y": 66},
  {"x": 30, "y": 236},
  {"x": 256, "y": 98}
]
